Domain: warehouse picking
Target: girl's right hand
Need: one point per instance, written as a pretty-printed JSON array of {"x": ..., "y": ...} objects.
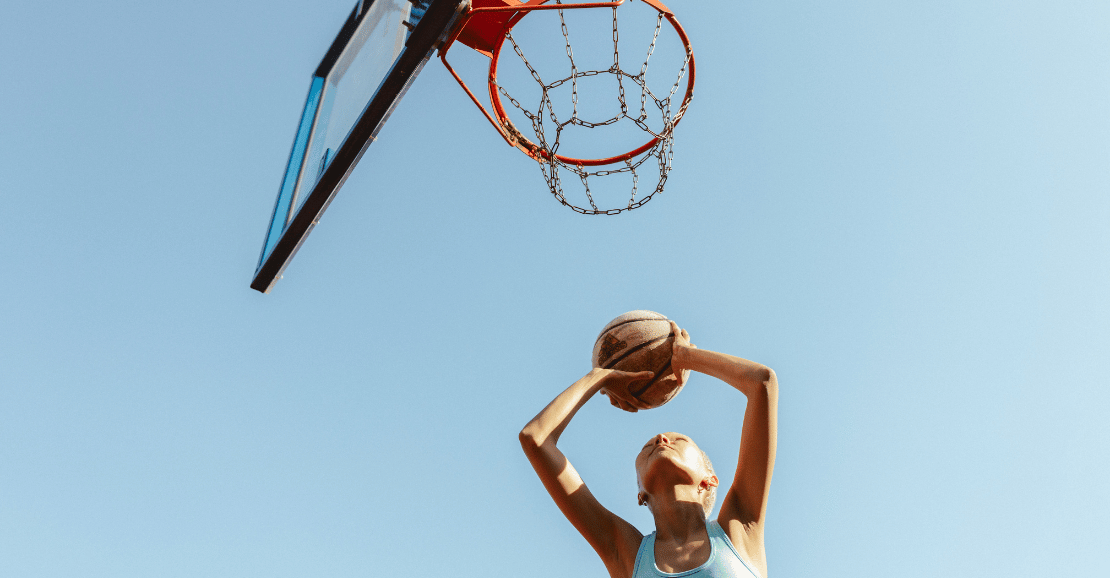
[{"x": 618, "y": 385}]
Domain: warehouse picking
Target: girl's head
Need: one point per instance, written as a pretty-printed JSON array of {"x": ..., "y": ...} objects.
[{"x": 672, "y": 459}]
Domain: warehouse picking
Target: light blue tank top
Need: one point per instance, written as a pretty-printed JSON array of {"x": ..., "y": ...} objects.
[{"x": 724, "y": 561}]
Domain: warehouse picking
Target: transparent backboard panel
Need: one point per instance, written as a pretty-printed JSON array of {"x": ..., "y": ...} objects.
[
  {"x": 355, "y": 77},
  {"x": 372, "y": 62}
]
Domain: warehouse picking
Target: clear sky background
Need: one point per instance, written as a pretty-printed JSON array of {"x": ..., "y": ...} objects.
[{"x": 901, "y": 207}]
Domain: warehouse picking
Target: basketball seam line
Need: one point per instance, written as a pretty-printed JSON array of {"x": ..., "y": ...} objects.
[
  {"x": 658, "y": 375},
  {"x": 637, "y": 348},
  {"x": 608, "y": 329}
]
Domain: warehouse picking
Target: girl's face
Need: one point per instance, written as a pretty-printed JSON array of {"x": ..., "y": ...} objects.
[{"x": 670, "y": 458}]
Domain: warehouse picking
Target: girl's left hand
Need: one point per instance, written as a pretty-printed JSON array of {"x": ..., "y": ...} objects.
[{"x": 679, "y": 348}]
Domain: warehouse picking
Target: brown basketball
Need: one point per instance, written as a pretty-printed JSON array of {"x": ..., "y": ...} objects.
[{"x": 640, "y": 341}]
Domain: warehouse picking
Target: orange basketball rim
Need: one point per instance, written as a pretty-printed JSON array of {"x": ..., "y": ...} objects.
[{"x": 484, "y": 26}]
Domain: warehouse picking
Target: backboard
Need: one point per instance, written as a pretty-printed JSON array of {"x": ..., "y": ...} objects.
[{"x": 377, "y": 54}]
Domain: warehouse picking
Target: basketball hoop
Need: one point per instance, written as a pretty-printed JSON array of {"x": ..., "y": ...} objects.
[{"x": 488, "y": 24}]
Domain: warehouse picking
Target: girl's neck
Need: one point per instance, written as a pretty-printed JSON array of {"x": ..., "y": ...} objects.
[{"x": 676, "y": 521}]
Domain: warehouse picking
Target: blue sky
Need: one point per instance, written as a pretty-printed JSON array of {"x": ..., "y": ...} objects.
[{"x": 901, "y": 207}]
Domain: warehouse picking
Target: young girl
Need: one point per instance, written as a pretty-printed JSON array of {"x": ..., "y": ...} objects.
[{"x": 675, "y": 478}]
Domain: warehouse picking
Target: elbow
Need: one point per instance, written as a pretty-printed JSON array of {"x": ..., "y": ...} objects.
[
  {"x": 528, "y": 439},
  {"x": 770, "y": 381}
]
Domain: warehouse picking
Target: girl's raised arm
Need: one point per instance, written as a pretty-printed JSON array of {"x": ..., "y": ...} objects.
[
  {"x": 744, "y": 508},
  {"x": 615, "y": 540}
]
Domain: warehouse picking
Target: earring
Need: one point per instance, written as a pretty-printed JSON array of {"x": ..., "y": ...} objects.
[{"x": 640, "y": 499}]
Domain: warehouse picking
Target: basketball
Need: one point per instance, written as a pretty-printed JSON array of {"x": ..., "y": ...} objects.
[{"x": 640, "y": 341}]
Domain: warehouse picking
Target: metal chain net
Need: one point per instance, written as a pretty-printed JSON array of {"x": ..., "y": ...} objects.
[{"x": 554, "y": 169}]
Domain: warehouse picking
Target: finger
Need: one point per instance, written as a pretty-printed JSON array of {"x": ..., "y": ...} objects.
[
  {"x": 620, "y": 401},
  {"x": 638, "y": 384}
]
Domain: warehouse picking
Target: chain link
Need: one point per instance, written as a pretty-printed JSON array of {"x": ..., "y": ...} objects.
[
  {"x": 573, "y": 68},
  {"x": 617, "y": 65},
  {"x": 662, "y": 151},
  {"x": 643, "y": 72}
]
